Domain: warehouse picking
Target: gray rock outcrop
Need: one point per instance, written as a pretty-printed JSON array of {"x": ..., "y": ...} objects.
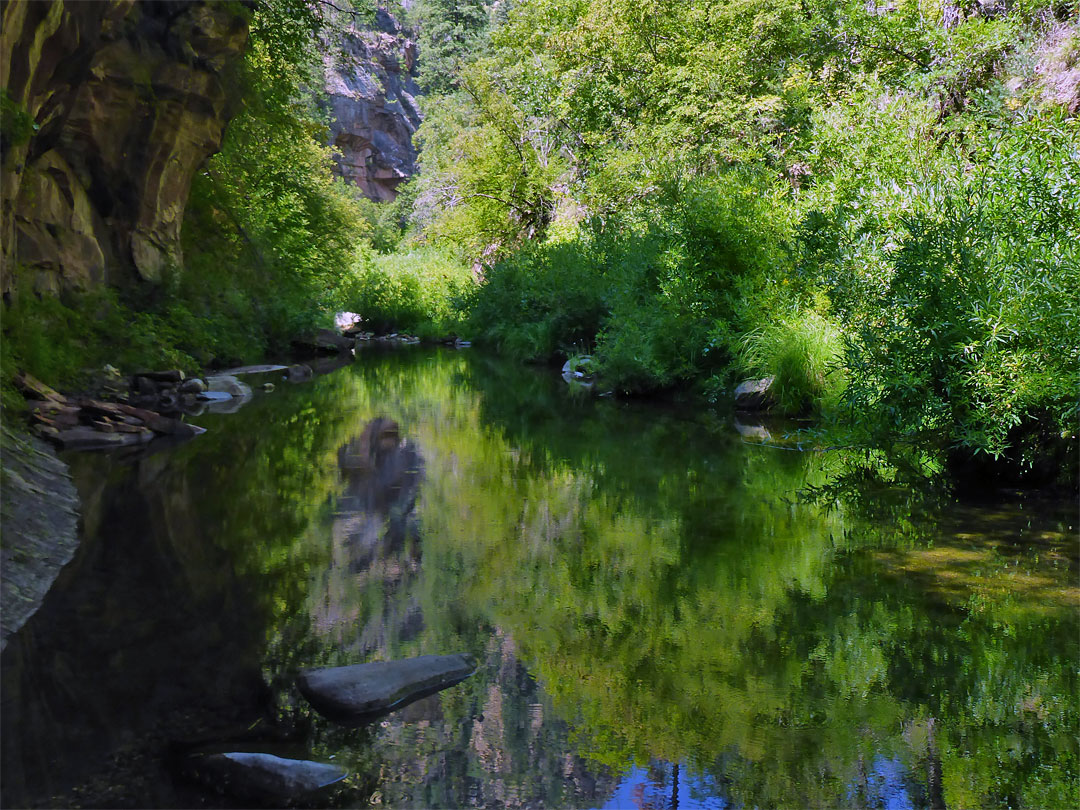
[
  {"x": 755, "y": 395},
  {"x": 370, "y": 82},
  {"x": 39, "y": 508}
]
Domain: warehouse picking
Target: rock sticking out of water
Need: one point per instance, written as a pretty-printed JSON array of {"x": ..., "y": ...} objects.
[
  {"x": 755, "y": 395},
  {"x": 264, "y": 776},
  {"x": 325, "y": 341},
  {"x": 228, "y": 384},
  {"x": 360, "y": 693},
  {"x": 396, "y": 339}
]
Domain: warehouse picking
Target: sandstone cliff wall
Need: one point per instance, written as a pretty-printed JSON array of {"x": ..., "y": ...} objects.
[
  {"x": 371, "y": 89},
  {"x": 129, "y": 98}
]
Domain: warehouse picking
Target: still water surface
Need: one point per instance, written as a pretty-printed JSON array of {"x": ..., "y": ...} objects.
[{"x": 662, "y": 617}]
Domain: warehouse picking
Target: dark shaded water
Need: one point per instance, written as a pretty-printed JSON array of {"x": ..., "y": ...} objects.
[{"x": 661, "y": 621}]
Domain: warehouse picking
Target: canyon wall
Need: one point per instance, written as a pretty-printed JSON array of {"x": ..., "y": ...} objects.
[
  {"x": 371, "y": 89},
  {"x": 127, "y": 99}
]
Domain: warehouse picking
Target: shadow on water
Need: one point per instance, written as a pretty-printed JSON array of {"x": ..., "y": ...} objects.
[{"x": 660, "y": 619}]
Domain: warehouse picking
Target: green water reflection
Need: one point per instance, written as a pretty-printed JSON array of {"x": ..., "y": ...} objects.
[
  {"x": 655, "y": 610},
  {"x": 658, "y": 578}
]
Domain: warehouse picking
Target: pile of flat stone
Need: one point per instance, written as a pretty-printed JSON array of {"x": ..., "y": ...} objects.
[
  {"x": 398, "y": 339},
  {"x": 134, "y": 410},
  {"x": 82, "y": 423}
]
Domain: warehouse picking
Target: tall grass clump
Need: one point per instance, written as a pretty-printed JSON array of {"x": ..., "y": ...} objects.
[{"x": 804, "y": 354}]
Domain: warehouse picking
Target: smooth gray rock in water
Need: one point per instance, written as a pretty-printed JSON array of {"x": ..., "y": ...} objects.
[
  {"x": 192, "y": 386},
  {"x": 755, "y": 395},
  {"x": 265, "y": 776},
  {"x": 359, "y": 693},
  {"x": 228, "y": 384},
  {"x": 40, "y": 520}
]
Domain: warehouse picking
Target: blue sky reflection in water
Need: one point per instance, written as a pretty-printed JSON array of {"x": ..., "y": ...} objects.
[
  {"x": 640, "y": 586},
  {"x": 664, "y": 786}
]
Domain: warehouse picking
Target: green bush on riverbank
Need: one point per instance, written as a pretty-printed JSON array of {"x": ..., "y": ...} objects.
[
  {"x": 419, "y": 291},
  {"x": 878, "y": 207}
]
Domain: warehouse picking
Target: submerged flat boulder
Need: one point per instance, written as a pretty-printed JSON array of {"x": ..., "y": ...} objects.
[
  {"x": 359, "y": 693},
  {"x": 266, "y": 368},
  {"x": 214, "y": 396},
  {"x": 264, "y": 776}
]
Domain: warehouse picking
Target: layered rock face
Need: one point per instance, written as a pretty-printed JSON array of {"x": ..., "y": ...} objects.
[
  {"x": 129, "y": 98},
  {"x": 372, "y": 96}
]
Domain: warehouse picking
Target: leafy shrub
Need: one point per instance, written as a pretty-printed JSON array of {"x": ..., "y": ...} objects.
[
  {"x": 416, "y": 292},
  {"x": 647, "y": 288},
  {"x": 16, "y": 123},
  {"x": 543, "y": 300},
  {"x": 708, "y": 253},
  {"x": 975, "y": 334},
  {"x": 60, "y": 342},
  {"x": 387, "y": 222}
]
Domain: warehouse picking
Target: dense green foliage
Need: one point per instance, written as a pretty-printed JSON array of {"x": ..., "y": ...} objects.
[
  {"x": 415, "y": 291},
  {"x": 268, "y": 205},
  {"x": 450, "y": 31},
  {"x": 877, "y": 205}
]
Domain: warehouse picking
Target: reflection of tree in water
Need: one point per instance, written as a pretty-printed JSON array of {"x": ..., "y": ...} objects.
[
  {"x": 375, "y": 549},
  {"x": 493, "y": 742}
]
